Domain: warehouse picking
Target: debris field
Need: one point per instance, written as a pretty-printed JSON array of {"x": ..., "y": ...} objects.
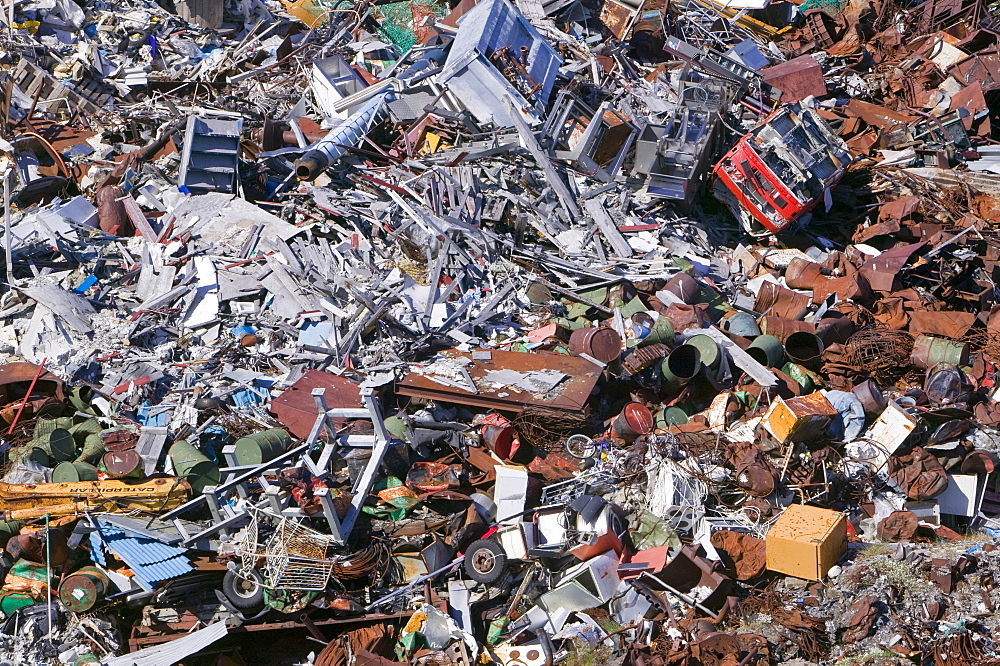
[{"x": 517, "y": 332}]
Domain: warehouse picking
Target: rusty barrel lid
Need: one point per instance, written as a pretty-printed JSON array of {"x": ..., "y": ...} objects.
[
  {"x": 120, "y": 464},
  {"x": 633, "y": 421},
  {"x": 82, "y": 590}
]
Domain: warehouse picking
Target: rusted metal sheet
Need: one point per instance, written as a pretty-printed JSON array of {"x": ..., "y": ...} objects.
[
  {"x": 296, "y": 408},
  {"x": 948, "y": 324},
  {"x": 797, "y": 78},
  {"x": 16, "y": 377},
  {"x": 782, "y": 328},
  {"x": 572, "y": 393},
  {"x": 775, "y": 300}
]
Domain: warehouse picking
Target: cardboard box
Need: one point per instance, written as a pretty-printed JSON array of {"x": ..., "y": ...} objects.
[{"x": 805, "y": 541}]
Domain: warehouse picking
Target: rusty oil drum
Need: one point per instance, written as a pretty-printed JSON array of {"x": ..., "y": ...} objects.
[
  {"x": 633, "y": 421},
  {"x": 929, "y": 351},
  {"x": 121, "y": 464},
  {"x": 604, "y": 344},
  {"x": 80, "y": 591}
]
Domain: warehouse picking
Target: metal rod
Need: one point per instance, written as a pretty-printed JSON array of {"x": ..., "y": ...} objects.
[
  {"x": 6, "y": 224},
  {"x": 27, "y": 396},
  {"x": 48, "y": 571}
]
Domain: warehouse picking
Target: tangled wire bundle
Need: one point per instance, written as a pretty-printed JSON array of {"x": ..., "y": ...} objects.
[{"x": 884, "y": 354}]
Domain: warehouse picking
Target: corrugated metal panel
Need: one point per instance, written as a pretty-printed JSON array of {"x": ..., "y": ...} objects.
[
  {"x": 174, "y": 651},
  {"x": 150, "y": 560}
]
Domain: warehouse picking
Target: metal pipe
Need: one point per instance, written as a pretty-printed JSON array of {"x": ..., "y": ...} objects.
[
  {"x": 6, "y": 226},
  {"x": 392, "y": 595},
  {"x": 336, "y": 144}
]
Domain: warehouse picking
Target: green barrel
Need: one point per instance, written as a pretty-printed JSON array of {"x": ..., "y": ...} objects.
[
  {"x": 58, "y": 444},
  {"x": 74, "y": 471},
  {"x": 81, "y": 431},
  {"x": 680, "y": 367},
  {"x": 662, "y": 332},
  {"x": 261, "y": 447},
  {"x": 766, "y": 350},
  {"x": 43, "y": 427},
  {"x": 711, "y": 355},
  {"x": 93, "y": 448},
  {"x": 193, "y": 465},
  {"x": 670, "y": 416},
  {"x": 9, "y": 529},
  {"x": 929, "y": 351},
  {"x": 38, "y": 455},
  {"x": 83, "y": 589}
]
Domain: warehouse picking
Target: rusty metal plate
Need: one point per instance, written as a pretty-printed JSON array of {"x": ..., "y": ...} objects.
[
  {"x": 16, "y": 377},
  {"x": 573, "y": 391},
  {"x": 616, "y": 17},
  {"x": 119, "y": 440},
  {"x": 296, "y": 408}
]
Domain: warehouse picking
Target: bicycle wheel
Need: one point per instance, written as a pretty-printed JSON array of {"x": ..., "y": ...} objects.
[{"x": 581, "y": 446}]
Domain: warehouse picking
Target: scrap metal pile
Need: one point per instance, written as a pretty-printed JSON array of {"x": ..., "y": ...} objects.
[{"x": 516, "y": 332}]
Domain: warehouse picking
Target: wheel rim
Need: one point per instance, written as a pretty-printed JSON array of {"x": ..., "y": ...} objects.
[
  {"x": 245, "y": 588},
  {"x": 483, "y": 561},
  {"x": 580, "y": 446}
]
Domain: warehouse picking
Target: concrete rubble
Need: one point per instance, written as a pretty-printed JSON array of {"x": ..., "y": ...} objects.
[{"x": 585, "y": 331}]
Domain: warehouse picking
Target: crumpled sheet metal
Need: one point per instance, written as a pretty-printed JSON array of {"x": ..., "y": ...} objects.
[
  {"x": 745, "y": 553},
  {"x": 918, "y": 474},
  {"x": 865, "y": 612}
]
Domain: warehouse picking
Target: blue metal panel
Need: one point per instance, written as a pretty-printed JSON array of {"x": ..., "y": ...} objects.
[{"x": 150, "y": 560}]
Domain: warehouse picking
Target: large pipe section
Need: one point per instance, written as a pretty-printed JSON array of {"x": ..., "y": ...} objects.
[{"x": 338, "y": 141}]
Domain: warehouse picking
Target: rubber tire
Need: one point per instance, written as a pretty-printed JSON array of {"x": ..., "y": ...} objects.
[
  {"x": 233, "y": 588},
  {"x": 492, "y": 553}
]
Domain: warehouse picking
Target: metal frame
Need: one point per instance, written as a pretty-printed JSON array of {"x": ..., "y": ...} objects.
[
  {"x": 225, "y": 517},
  {"x": 565, "y": 118}
]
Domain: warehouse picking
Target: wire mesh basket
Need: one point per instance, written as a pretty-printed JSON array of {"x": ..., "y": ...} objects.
[{"x": 295, "y": 556}]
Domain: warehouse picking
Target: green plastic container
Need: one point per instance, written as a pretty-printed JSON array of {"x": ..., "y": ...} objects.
[
  {"x": 11, "y": 602},
  {"x": 193, "y": 465},
  {"x": 70, "y": 472},
  {"x": 261, "y": 447}
]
